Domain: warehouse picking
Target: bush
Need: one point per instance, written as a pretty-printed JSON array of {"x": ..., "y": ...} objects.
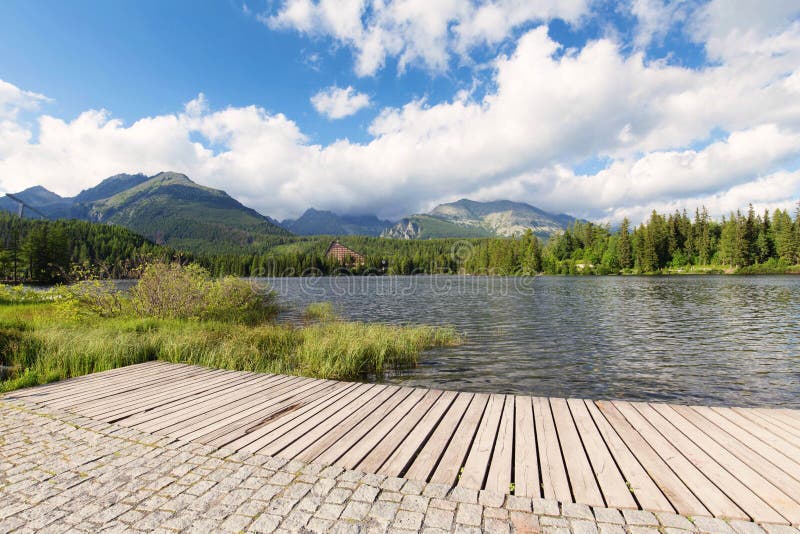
[{"x": 171, "y": 290}]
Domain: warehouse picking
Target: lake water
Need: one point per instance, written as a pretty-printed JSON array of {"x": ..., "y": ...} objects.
[{"x": 726, "y": 340}]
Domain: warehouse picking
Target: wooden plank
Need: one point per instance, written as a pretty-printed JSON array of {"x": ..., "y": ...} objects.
[
  {"x": 121, "y": 385},
  {"x": 615, "y": 492},
  {"x": 715, "y": 463},
  {"x": 680, "y": 496},
  {"x": 274, "y": 421},
  {"x": 126, "y": 406},
  {"x": 752, "y": 441},
  {"x": 371, "y": 438},
  {"x": 200, "y": 400},
  {"x": 555, "y": 484},
  {"x": 637, "y": 481},
  {"x": 579, "y": 471},
  {"x": 373, "y": 461},
  {"x": 396, "y": 464},
  {"x": 717, "y": 502},
  {"x": 43, "y": 392},
  {"x": 334, "y": 426},
  {"x": 500, "y": 470},
  {"x": 764, "y": 478},
  {"x": 273, "y": 443},
  {"x": 425, "y": 462},
  {"x": 237, "y": 423},
  {"x": 774, "y": 436},
  {"x": 210, "y": 408},
  {"x": 777, "y": 420},
  {"x": 125, "y": 385},
  {"x": 477, "y": 463},
  {"x": 208, "y": 405},
  {"x": 784, "y": 416},
  {"x": 332, "y": 445},
  {"x": 453, "y": 458},
  {"x": 526, "y": 462},
  {"x": 230, "y": 417}
]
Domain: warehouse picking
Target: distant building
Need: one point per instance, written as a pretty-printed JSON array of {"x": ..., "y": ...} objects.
[{"x": 344, "y": 255}]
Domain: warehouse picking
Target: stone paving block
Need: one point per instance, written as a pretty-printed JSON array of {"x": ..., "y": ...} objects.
[
  {"x": 745, "y": 527},
  {"x": 712, "y": 525},
  {"x": 640, "y": 518},
  {"x": 674, "y": 521},
  {"x": 469, "y": 514},
  {"x": 438, "y": 518},
  {"x": 265, "y": 523},
  {"x": 406, "y": 519},
  {"x": 356, "y": 510}
]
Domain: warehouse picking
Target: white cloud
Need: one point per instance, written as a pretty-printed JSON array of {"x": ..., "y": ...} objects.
[
  {"x": 13, "y": 100},
  {"x": 416, "y": 31},
  {"x": 547, "y": 112},
  {"x": 336, "y": 103}
]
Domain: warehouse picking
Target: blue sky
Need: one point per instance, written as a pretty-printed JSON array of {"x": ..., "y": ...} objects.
[{"x": 598, "y": 108}]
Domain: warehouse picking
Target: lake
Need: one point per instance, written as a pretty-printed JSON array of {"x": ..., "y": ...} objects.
[{"x": 726, "y": 340}]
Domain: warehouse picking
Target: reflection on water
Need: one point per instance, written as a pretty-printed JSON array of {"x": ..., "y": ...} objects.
[{"x": 706, "y": 339}]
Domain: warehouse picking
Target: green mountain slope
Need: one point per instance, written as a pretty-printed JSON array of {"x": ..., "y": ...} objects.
[
  {"x": 319, "y": 222},
  {"x": 171, "y": 209}
]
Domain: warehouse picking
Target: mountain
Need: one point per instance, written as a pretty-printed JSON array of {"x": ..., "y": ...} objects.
[
  {"x": 171, "y": 209},
  {"x": 319, "y": 222},
  {"x": 43, "y": 200},
  {"x": 430, "y": 227},
  {"x": 468, "y": 218},
  {"x": 167, "y": 208},
  {"x": 110, "y": 187}
]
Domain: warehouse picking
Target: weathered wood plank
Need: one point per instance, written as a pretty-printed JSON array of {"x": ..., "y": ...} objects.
[
  {"x": 555, "y": 484},
  {"x": 637, "y": 480},
  {"x": 366, "y": 433},
  {"x": 680, "y": 496},
  {"x": 371, "y": 438},
  {"x": 425, "y": 462},
  {"x": 584, "y": 486},
  {"x": 526, "y": 463},
  {"x": 609, "y": 478},
  {"x": 335, "y": 443},
  {"x": 345, "y": 419},
  {"x": 453, "y": 458},
  {"x": 477, "y": 463},
  {"x": 407, "y": 450},
  {"x": 501, "y": 467},
  {"x": 752, "y": 441},
  {"x": 273, "y": 442},
  {"x": 762, "y": 477},
  {"x": 714, "y": 468},
  {"x": 774, "y": 436},
  {"x": 712, "y": 497},
  {"x": 373, "y": 461}
]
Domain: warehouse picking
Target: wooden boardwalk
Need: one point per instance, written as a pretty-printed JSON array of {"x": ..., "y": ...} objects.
[{"x": 697, "y": 461}]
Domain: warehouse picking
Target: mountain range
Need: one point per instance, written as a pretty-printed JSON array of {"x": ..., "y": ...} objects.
[
  {"x": 171, "y": 209},
  {"x": 167, "y": 208}
]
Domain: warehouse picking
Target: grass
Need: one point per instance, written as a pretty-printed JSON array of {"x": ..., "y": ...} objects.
[{"x": 39, "y": 344}]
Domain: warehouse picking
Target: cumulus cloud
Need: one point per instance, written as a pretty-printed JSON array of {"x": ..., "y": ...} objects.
[
  {"x": 415, "y": 31},
  {"x": 13, "y": 100},
  {"x": 673, "y": 137},
  {"x": 336, "y": 103}
]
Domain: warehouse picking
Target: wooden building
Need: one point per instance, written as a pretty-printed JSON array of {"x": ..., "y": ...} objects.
[{"x": 344, "y": 255}]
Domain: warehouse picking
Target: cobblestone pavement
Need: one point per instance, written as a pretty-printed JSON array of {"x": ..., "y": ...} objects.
[{"x": 65, "y": 473}]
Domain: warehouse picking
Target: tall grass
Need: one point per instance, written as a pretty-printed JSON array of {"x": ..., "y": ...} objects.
[{"x": 38, "y": 344}]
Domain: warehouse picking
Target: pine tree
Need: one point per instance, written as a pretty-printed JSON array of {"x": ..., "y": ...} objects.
[{"x": 624, "y": 252}]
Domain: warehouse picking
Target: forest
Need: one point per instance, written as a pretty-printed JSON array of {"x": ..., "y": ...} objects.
[{"x": 741, "y": 242}]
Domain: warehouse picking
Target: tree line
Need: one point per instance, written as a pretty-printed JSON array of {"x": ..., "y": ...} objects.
[{"x": 53, "y": 251}]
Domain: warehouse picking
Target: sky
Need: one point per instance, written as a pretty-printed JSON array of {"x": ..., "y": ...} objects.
[{"x": 595, "y": 108}]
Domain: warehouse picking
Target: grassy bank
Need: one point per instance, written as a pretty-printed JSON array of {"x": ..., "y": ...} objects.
[{"x": 63, "y": 335}]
